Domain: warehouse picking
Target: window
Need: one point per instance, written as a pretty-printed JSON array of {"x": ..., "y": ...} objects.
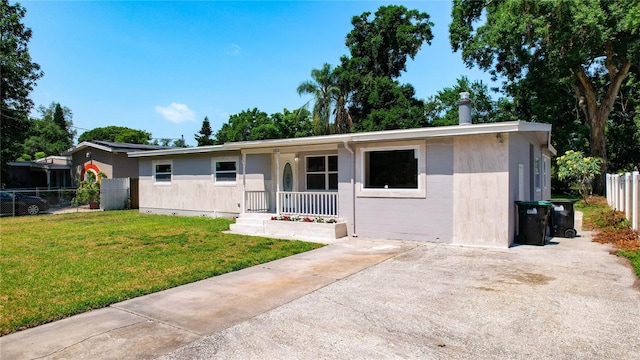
[
  {"x": 322, "y": 172},
  {"x": 391, "y": 169},
  {"x": 225, "y": 170},
  {"x": 545, "y": 171},
  {"x": 162, "y": 172},
  {"x": 536, "y": 172}
]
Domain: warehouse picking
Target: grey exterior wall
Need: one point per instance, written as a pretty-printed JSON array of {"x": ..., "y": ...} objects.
[
  {"x": 420, "y": 218},
  {"x": 192, "y": 190}
]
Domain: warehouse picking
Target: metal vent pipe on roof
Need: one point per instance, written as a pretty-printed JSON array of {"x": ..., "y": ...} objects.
[{"x": 464, "y": 109}]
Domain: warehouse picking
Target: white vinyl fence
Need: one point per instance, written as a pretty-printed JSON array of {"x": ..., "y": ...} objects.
[
  {"x": 115, "y": 194},
  {"x": 623, "y": 194}
]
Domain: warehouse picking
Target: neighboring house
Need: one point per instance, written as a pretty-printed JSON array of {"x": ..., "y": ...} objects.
[
  {"x": 49, "y": 172},
  {"x": 453, "y": 184},
  {"x": 107, "y": 157}
]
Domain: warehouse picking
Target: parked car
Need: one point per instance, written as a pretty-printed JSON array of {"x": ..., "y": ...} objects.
[{"x": 18, "y": 204}]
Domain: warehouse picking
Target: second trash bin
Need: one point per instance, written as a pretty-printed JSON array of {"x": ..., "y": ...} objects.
[
  {"x": 562, "y": 218},
  {"x": 533, "y": 217}
]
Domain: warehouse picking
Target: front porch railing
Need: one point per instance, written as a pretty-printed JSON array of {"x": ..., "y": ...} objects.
[
  {"x": 257, "y": 201},
  {"x": 308, "y": 203}
]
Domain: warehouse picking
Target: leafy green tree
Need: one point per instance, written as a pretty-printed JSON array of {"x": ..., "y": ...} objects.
[
  {"x": 623, "y": 128},
  {"x": 240, "y": 126},
  {"x": 579, "y": 170},
  {"x": 180, "y": 143},
  {"x": 576, "y": 42},
  {"x": 18, "y": 75},
  {"x": 119, "y": 134},
  {"x": 442, "y": 109},
  {"x": 51, "y": 133},
  {"x": 379, "y": 48},
  {"x": 204, "y": 136},
  {"x": 257, "y": 125}
]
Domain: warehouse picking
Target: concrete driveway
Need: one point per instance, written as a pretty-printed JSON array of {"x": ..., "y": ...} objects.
[
  {"x": 568, "y": 300},
  {"x": 374, "y": 299}
]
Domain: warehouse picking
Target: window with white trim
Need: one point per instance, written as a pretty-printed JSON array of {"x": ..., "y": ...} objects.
[
  {"x": 393, "y": 168},
  {"x": 322, "y": 172},
  {"x": 225, "y": 170},
  {"x": 162, "y": 172}
]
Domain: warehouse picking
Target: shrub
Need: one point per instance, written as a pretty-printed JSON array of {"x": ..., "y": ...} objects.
[{"x": 579, "y": 171}]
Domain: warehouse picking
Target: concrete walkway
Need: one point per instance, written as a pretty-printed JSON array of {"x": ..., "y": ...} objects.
[
  {"x": 155, "y": 324},
  {"x": 370, "y": 299}
]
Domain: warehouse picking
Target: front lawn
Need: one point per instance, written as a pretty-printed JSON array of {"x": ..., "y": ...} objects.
[{"x": 55, "y": 266}]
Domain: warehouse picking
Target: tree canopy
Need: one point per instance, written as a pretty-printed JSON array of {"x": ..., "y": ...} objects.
[
  {"x": 574, "y": 43},
  {"x": 379, "y": 48},
  {"x": 442, "y": 108},
  {"x": 19, "y": 75},
  {"x": 253, "y": 124},
  {"x": 51, "y": 134},
  {"x": 119, "y": 134}
]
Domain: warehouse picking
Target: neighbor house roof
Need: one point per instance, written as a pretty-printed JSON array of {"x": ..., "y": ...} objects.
[
  {"x": 113, "y": 147},
  {"x": 542, "y": 132}
]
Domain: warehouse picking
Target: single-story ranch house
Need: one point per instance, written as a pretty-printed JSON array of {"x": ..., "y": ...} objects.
[{"x": 452, "y": 184}]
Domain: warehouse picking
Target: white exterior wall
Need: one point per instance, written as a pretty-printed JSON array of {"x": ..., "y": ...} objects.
[
  {"x": 481, "y": 196},
  {"x": 192, "y": 190},
  {"x": 420, "y": 218}
]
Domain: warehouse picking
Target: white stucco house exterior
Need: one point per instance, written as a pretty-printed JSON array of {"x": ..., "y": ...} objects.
[{"x": 453, "y": 184}]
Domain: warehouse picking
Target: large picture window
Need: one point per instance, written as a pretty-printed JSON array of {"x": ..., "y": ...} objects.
[
  {"x": 162, "y": 172},
  {"x": 391, "y": 169},
  {"x": 225, "y": 170},
  {"x": 322, "y": 172}
]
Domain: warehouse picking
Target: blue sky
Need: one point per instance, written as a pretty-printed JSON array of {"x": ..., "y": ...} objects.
[{"x": 163, "y": 66}]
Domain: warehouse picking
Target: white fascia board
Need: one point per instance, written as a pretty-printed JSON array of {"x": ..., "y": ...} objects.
[
  {"x": 275, "y": 143},
  {"x": 178, "y": 151},
  {"x": 442, "y": 131}
]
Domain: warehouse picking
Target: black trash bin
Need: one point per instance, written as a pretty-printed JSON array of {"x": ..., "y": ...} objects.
[
  {"x": 533, "y": 217},
  {"x": 562, "y": 218}
]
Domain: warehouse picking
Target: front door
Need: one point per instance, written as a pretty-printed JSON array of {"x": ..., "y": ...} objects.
[
  {"x": 288, "y": 182},
  {"x": 288, "y": 173}
]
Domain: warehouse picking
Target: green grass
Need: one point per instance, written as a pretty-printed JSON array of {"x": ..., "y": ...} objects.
[
  {"x": 634, "y": 257},
  {"x": 55, "y": 266}
]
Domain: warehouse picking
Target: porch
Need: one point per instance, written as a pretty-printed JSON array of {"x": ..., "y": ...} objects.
[{"x": 292, "y": 203}]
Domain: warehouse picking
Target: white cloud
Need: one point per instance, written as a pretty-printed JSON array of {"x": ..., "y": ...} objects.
[
  {"x": 233, "y": 49},
  {"x": 177, "y": 113}
]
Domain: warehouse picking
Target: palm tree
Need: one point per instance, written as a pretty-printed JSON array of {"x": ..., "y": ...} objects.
[{"x": 328, "y": 96}]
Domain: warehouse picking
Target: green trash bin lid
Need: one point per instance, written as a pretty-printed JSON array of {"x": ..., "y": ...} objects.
[{"x": 534, "y": 203}]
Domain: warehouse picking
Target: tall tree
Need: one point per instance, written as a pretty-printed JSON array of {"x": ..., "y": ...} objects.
[
  {"x": 442, "y": 108},
  {"x": 574, "y": 41},
  {"x": 325, "y": 89},
  {"x": 19, "y": 75},
  {"x": 119, "y": 134},
  {"x": 379, "y": 49},
  {"x": 51, "y": 134},
  {"x": 240, "y": 127},
  {"x": 257, "y": 125},
  {"x": 204, "y": 136}
]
